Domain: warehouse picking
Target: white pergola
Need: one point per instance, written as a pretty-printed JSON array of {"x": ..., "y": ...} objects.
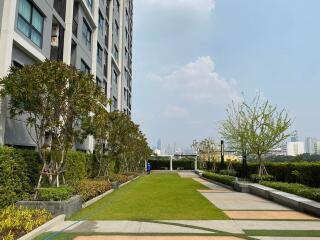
[{"x": 179, "y": 155}]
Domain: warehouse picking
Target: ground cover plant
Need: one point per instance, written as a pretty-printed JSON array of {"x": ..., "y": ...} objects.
[
  {"x": 158, "y": 196},
  {"x": 15, "y": 222}
]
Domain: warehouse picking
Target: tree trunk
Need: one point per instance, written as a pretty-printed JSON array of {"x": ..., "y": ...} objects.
[{"x": 244, "y": 165}]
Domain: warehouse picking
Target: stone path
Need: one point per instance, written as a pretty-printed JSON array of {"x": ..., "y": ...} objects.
[{"x": 236, "y": 205}]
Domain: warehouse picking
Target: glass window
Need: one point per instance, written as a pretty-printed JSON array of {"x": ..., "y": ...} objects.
[
  {"x": 30, "y": 22},
  {"x": 101, "y": 23},
  {"x": 115, "y": 52},
  {"x": 86, "y": 34},
  {"x": 25, "y": 9},
  {"x": 84, "y": 67},
  {"x": 99, "y": 55},
  {"x": 89, "y": 2}
]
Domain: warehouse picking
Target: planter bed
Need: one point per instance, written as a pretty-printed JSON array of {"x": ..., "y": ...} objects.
[{"x": 67, "y": 207}]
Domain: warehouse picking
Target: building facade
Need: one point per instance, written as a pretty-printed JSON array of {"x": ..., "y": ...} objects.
[
  {"x": 95, "y": 36},
  {"x": 295, "y": 148},
  {"x": 310, "y": 145}
]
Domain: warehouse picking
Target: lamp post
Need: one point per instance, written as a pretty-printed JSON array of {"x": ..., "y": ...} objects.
[{"x": 222, "y": 154}]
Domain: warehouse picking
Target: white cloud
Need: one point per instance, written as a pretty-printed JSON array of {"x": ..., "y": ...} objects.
[
  {"x": 197, "y": 6},
  {"x": 198, "y": 83}
]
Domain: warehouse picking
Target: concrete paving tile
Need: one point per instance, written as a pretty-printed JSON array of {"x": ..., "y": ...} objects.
[
  {"x": 287, "y": 238},
  {"x": 229, "y": 226},
  {"x": 214, "y": 191},
  {"x": 241, "y": 201},
  {"x": 147, "y": 227},
  {"x": 277, "y": 225},
  {"x": 276, "y": 215},
  {"x": 208, "y": 184},
  {"x": 188, "y": 174},
  {"x": 156, "y": 238}
]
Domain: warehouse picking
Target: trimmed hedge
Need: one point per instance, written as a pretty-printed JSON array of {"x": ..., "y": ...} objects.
[
  {"x": 295, "y": 188},
  {"x": 228, "y": 180},
  {"x": 161, "y": 164},
  {"x": 306, "y": 173},
  {"x": 54, "y": 194},
  {"x": 16, "y": 175},
  {"x": 76, "y": 166},
  {"x": 89, "y": 189}
]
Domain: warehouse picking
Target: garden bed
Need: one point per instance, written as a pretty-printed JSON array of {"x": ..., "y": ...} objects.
[{"x": 67, "y": 207}]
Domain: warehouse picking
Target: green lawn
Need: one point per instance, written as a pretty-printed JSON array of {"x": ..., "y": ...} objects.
[{"x": 154, "y": 197}]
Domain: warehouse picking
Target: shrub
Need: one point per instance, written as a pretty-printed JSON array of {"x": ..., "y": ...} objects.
[
  {"x": 185, "y": 164},
  {"x": 228, "y": 172},
  {"x": 287, "y": 171},
  {"x": 228, "y": 180},
  {"x": 76, "y": 166},
  {"x": 159, "y": 164},
  {"x": 256, "y": 178},
  {"x": 119, "y": 178},
  {"x": 14, "y": 182},
  {"x": 54, "y": 194},
  {"x": 295, "y": 188},
  {"x": 15, "y": 222},
  {"x": 89, "y": 189}
]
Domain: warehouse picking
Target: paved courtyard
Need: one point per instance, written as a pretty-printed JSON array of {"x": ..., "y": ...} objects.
[{"x": 246, "y": 212}]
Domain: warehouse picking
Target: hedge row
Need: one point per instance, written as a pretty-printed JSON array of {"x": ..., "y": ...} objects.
[
  {"x": 306, "y": 173},
  {"x": 176, "y": 164},
  {"x": 295, "y": 188},
  {"x": 225, "y": 179},
  {"x": 20, "y": 172}
]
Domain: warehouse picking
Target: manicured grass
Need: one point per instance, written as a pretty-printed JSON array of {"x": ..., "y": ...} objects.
[
  {"x": 283, "y": 233},
  {"x": 158, "y": 196}
]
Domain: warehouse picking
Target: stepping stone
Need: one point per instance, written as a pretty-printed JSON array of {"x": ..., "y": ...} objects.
[
  {"x": 268, "y": 215},
  {"x": 156, "y": 238}
]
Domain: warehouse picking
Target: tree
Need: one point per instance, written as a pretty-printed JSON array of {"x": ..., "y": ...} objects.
[
  {"x": 265, "y": 128},
  {"x": 56, "y": 99},
  {"x": 233, "y": 130},
  {"x": 126, "y": 144},
  {"x": 207, "y": 150}
]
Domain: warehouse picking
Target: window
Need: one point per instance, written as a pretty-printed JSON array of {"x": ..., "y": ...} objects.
[
  {"x": 99, "y": 55},
  {"x": 116, "y": 25},
  {"x": 115, "y": 77},
  {"x": 86, "y": 34},
  {"x": 98, "y": 82},
  {"x": 105, "y": 88},
  {"x": 84, "y": 67},
  {"x": 115, "y": 52},
  {"x": 30, "y": 22},
  {"x": 89, "y": 2},
  {"x": 115, "y": 103},
  {"x": 101, "y": 23}
]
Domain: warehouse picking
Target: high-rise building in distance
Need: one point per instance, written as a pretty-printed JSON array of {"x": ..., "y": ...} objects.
[{"x": 95, "y": 36}]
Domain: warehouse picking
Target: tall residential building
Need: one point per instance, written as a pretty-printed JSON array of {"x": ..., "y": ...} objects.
[
  {"x": 317, "y": 148},
  {"x": 295, "y": 137},
  {"x": 95, "y": 36},
  {"x": 295, "y": 148},
  {"x": 310, "y": 145}
]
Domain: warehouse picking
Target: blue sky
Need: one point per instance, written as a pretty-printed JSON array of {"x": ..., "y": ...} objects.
[{"x": 193, "y": 57}]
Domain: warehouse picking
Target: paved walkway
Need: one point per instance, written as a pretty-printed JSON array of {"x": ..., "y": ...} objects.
[{"x": 236, "y": 205}]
